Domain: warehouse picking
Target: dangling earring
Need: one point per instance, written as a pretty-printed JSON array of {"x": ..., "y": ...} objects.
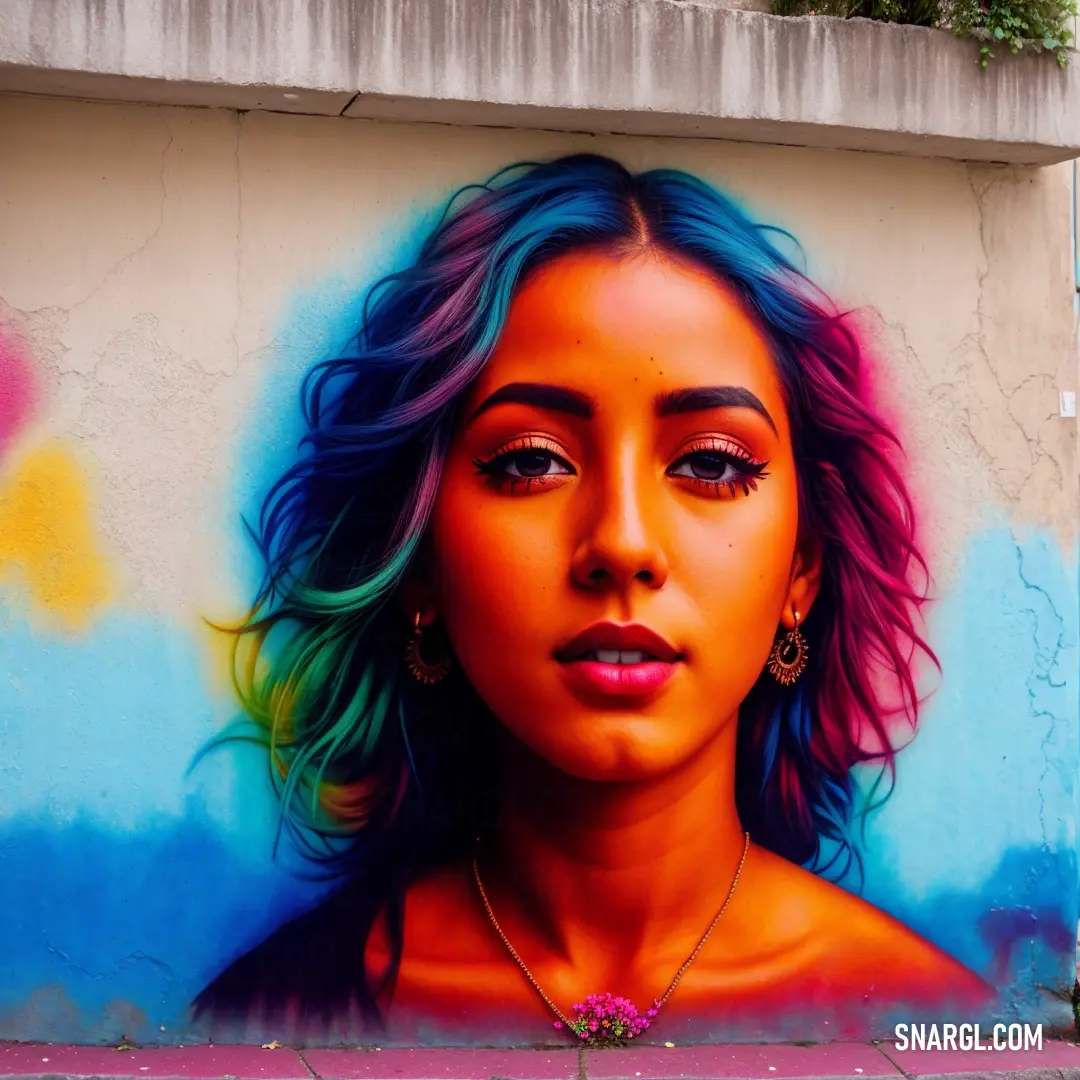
[
  {"x": 787, "y": 661},
  {"x": 425, "y": 671}
]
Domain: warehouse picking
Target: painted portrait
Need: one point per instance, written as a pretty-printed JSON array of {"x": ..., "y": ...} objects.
[{"x": 593, "y": 581}]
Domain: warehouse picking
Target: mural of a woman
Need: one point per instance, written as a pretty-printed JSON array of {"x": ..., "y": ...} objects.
[{"x": 594, "y": 578}]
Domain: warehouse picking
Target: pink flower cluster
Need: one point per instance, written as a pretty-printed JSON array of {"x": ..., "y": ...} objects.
[{"x": 604, "y": 1019}]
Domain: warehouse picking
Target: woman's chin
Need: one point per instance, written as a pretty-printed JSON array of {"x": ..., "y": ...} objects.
[{"x": 614, "y": 750}]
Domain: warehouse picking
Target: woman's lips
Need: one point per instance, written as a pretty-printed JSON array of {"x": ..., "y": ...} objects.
[
  {"x": 620, "y": 680},
  {"x": 625, "y": 660}
]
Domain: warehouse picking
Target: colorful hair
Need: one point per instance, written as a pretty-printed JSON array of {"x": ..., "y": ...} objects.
[{"x": 358, "y": 758}]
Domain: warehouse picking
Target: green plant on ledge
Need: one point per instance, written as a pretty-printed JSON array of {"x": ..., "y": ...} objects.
[
  {"x": 1037, "y": 25},
  {"x": 1042, "y": 25}
]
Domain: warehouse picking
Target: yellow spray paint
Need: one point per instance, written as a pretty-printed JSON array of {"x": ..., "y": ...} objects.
[{"x": 48, "y": 537}]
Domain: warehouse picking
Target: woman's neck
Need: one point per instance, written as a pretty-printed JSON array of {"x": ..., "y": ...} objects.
[{"x": 616, "y": 873}]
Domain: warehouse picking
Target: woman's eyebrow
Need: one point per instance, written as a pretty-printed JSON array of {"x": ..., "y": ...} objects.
[
  {"x": 540, "y": 396},
  {"x": 700, "y": 398}
]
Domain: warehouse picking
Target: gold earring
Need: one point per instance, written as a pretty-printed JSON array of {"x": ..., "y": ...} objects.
[
  {"x": 787, "y": 661},
  {"x": 426, "y": 671}
]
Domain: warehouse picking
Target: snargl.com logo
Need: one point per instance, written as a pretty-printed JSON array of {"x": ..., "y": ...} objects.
[{"x": 967, "y": 1037}]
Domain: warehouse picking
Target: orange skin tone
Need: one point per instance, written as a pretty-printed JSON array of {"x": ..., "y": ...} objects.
[{"x": 618, "y": 832}]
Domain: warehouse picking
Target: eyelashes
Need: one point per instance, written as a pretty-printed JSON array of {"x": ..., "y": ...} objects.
[
  {"x": 526, "y": 463},
  {"x": 716, "y": 467},
  {"x": 719, "y": 467}
]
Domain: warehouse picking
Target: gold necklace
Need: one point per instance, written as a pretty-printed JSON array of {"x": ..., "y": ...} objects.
[{"x": 604, "y": 1020}]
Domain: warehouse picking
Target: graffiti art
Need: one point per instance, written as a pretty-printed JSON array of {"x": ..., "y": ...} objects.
[{"x": 593, "y": 579}]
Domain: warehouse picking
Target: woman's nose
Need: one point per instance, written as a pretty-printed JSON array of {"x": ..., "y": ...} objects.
[{"x": 621, "y": 540}]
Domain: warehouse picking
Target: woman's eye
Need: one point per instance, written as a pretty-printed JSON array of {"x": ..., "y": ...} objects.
[
  {"x": 524, "y": 467},
  {"x": 718, "y": 473},
  {"x": 703, "y": 465},
  {"x": 528, "y": 464}
]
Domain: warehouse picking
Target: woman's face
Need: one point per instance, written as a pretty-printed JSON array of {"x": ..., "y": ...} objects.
[{"x": 613, "y": 546}]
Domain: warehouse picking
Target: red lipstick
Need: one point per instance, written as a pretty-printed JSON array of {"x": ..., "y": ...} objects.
[{"x": 622, "y": 660}]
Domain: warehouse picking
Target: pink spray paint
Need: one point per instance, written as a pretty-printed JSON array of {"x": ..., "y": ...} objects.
[{"x": 18, "y": 393}]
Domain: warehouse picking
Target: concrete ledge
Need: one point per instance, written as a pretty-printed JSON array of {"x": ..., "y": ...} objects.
[
  {"x": 829, "y": 1061},
  {"x": 650, "y": 67}
]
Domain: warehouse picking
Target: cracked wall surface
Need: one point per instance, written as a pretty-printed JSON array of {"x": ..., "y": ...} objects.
[
  {"x": 931, "y": 257},
  {"x": 170, "y": 273}
]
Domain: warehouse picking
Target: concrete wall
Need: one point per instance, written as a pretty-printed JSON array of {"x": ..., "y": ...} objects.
[
  {"x": 689, "y": 68},
  {"x": 166, "y": 275}
]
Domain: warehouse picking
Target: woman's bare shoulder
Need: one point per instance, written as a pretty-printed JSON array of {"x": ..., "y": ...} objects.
[
  {"x": 840, "y": 939},
  {"x": 451, "y": 960},
  {"x": 790, "y": 927},
  {"x": 444, "y": 923}
]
